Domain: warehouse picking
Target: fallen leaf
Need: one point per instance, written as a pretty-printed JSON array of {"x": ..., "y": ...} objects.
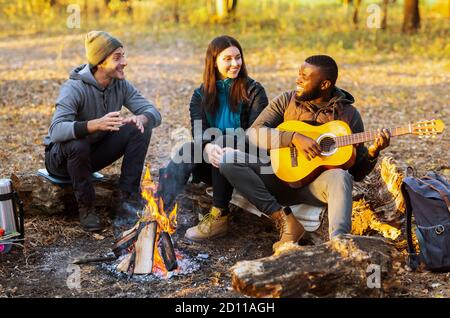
[{"x": 98, "y": 236}]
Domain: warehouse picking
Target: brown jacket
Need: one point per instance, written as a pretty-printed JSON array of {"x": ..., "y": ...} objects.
[{"x": 284, "y": 107}]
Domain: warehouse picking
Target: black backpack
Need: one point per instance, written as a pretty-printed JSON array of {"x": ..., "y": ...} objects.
[{"x": 427, "y": 198}]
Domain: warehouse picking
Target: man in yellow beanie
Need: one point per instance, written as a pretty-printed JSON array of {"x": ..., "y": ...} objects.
[{"x": 87, "y": 132}]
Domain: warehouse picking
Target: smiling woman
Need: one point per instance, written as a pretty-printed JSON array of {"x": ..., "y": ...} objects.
[
  {"x": 224, "y": 60},
  {"x": 227, "y": 101},
  {"x": 229, "y": 63}
]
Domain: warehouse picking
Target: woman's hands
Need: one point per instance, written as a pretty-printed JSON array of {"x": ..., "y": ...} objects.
[{"x": 215, "y": 153}]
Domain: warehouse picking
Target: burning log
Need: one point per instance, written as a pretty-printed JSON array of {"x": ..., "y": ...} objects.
[
  {"x": 124, "y": 265},
  {"x": 147, "y": 247},
  {"x": 349, "y": 266},
  {"x": 144, "y": 246},
  {"x": 167, "y": 251}
]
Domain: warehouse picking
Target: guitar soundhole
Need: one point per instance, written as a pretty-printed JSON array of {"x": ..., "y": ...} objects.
[{"x": 327, "y": 144}]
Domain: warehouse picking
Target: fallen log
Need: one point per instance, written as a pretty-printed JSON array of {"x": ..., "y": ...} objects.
[
  {"x": 41, "y": 196},
  {"x": 343, "y": 267}
]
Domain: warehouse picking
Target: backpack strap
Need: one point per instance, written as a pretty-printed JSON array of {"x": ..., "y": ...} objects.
[
  {"x": 443, "y": 194},
  {"x": 413, "y": 258}
]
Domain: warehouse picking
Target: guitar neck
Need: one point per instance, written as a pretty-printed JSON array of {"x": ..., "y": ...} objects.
[{"x": 358, "y": 138}]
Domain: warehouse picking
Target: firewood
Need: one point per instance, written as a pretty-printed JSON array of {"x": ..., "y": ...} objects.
[
  {"x": 127, "y": 239},
  {"x": 144, "y": 248},
  {"x": 338, "y": 268},
  {"x": 124, "y": 265},
  {"x": 87, "y": 260},
  {"x": 167, "y": 251}
]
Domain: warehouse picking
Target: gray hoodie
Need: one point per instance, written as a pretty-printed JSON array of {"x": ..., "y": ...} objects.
[{"x": 82, "y": 99}]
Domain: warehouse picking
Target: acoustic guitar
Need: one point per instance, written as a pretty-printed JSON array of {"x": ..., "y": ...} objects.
[{"x": 337, "y": 144}]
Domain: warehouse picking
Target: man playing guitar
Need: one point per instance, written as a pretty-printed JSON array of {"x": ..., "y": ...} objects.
[{"x": 316, "y": 101}]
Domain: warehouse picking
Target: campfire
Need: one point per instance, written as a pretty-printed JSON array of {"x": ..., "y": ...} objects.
[{"x": 147, "y": 247}]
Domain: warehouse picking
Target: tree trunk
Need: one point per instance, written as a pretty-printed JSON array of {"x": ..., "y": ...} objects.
[
  {"x": 385, "y": 13},
  {"x": 348, "y": 266},
  {"x": 225, "y": 7},
  {"x": 411, "y": 17},
  {"x": 357, "y": 5},
  {"x": 176, "y": 11}
]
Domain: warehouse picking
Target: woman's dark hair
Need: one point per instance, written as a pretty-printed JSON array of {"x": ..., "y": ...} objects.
[{"x": 211, "y": 75}]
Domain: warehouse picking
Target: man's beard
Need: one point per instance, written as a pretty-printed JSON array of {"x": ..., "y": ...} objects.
[
  {"x": 115, "y": 74},
  {"x": 307, "y": 96}
]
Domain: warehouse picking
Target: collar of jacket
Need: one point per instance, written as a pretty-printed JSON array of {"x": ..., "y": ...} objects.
[{"x": 224, "y": 85}]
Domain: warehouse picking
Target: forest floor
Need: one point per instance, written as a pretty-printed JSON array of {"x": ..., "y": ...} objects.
[{"x": 389, "y": 90}]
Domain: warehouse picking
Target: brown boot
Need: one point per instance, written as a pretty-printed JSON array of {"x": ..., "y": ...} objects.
[{"x": 291, "y": 230}]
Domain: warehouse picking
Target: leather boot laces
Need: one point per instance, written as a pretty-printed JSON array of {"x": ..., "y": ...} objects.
[{"x": 281, "y": 225}]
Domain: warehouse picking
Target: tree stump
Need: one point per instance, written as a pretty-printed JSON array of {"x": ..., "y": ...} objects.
[{"x": 348, "y": 266}]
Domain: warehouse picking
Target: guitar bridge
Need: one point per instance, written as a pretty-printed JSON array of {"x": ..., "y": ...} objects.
[{"x": 294, "y": 162}]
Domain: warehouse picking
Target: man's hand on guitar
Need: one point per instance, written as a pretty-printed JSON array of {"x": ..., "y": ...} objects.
[
  {"x": 380, "y": 143},
  {"x": 307, "y": 146}
]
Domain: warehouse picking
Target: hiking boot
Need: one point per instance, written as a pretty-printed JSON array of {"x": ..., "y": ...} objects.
[
  {"x": 89, "y": 220},
  {"x": 291, "y": 230},
  {"x": 212, "y": 225}
]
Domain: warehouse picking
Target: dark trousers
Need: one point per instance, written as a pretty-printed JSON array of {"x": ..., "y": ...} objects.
[
  {"x": 77, "y": 159},
  {"x": 175, "y": 175}
]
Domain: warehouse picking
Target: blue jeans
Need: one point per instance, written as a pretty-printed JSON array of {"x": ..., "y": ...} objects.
[{"x": 268, "y": 193}]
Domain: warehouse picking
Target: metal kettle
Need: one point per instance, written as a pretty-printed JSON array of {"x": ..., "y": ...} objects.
[{"x": 11, "y": 216}]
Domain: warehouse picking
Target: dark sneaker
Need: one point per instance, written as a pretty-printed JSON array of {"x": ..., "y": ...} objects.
[{"x": 89, "y": 220}]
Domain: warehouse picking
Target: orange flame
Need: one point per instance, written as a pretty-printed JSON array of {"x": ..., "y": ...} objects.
[{"x": 154, "y": 211}]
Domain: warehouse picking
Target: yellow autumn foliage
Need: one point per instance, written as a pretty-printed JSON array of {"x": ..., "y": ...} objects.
[{"x": 364, "y": 219}]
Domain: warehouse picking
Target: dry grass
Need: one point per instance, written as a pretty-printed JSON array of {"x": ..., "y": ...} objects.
[{"x": 393, "y": 79}]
